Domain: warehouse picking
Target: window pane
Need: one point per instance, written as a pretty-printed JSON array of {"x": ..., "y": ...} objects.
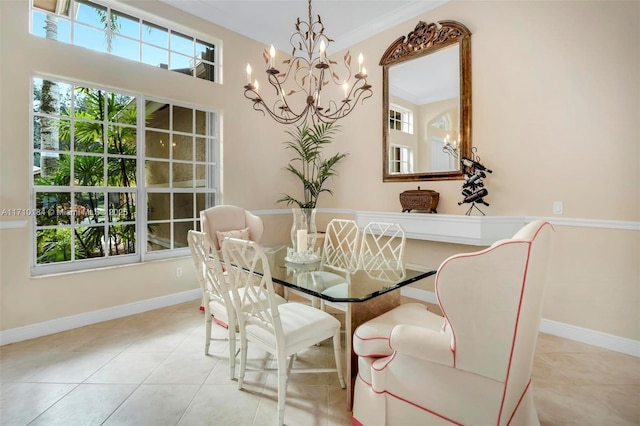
[
  {"x": 201, "y": 176},
  {"x": 89, "y": 103},
  {"x": 182, "y": 44},
  {"x": 205, "y": 70},
  {"x": 155, "y": 34},
  {"x": 50, "y": 97},
  {"x": 181, "y": 64},
  {"x": 158, "y": 206},
  {"x": 201, "y": 122},
  {"x": 126, "y": 25},
  {"x": 91, "y": 38},
  {"x": 159, "y": 237},
  {"x": 122, "y": 140},
  {"x": 91, "y": 13},
  {"x": 122, "y": 109},
  {"x": 206, "y": 51},
  {"x": 201, "y": 204},
  {"x": 157, "y": 144},
  {"x": 122, "y": 206},
  {"x": 50, "y": 134},
  {"x": 53, "y": 208},
  {"x": 88, "y": 136},
  {"x": 157, "y": 174},
  {"x": 155, "y": 56},
  {"x": 51, "y": 6},
  {"x": 89, "y": 208},
  {"x": 88, "y": 170},
  {"x": 89, "y": 242},
  {"x": 201, "y": 149},
  {"x": 182, "y": 175},
  {"x": 159, "y": 113},
  {"x": 182, "y": 119},
  {"x": 183, "y": 206},
  {"x": 125, "y": 48},
  {"x": 122, "y": 240},
  {"x": 54, "y": 169},
  {"x": 121, "y": 172},
  {"x": 180, "y": 230},
  {"x": 53, "y": 245},
  {"x": 182, "y": 147}
]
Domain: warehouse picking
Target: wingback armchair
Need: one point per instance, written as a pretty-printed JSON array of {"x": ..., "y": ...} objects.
[
  {"x": 227, "y": 218},
  {"x": 474, "y": 365}
]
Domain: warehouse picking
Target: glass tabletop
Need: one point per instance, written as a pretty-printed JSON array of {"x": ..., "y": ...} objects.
[{"x": 335, "y": 286}]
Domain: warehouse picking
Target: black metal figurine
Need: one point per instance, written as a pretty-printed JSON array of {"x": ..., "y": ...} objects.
[{"x": 473, "y": 189}]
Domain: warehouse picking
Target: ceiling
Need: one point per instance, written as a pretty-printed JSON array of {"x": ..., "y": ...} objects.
[
  {"x": 272, "y": 22},
  {"x": 347, "y": 22}
]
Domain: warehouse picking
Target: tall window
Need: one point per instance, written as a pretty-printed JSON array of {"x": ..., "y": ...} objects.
[
  {"x": 109, "y": 30},
  {"x": 400, "y": 119},
  {"x": 117, "y": 178}
]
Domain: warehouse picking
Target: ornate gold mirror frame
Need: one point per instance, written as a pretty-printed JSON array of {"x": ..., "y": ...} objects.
[{"x": 436, "y": 41}]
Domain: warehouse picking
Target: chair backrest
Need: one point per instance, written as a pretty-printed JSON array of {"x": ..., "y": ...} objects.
[
  {"x": 382, "y": 251},
  {"x": 225, "y": 218},
  {"x": 208, "y": 269},
  {"x": 340, "y": 247},
  {"x": 492, "y": 300},
  {"x": 253, "y": 295}
]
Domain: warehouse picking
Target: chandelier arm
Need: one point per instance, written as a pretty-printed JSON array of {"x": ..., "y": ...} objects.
[{"x": 307, "y": 76}]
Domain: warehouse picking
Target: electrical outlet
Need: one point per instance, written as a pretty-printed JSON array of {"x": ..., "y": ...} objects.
[
  {"x": 179, "y": 271},
  {"x": 557, "y": 207}
]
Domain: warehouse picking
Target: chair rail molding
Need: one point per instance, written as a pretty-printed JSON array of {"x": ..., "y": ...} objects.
[{"x": 572, "y": 332}]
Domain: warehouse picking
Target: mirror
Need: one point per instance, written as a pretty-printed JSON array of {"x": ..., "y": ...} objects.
[{"x": 427, "y": 103}]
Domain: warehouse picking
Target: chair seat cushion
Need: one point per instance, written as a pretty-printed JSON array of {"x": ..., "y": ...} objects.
[
  {"x": 372, "y": 337},
  {"x": 301, "y": 325}
]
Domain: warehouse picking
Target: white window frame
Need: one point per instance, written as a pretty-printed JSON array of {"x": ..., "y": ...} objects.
[
  {"x": 140, "y": 190},
  {"x": 143, "y": 18}
]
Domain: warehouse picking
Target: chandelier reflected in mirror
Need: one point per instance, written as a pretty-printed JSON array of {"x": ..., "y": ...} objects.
[{"x": 300, "y": 88}]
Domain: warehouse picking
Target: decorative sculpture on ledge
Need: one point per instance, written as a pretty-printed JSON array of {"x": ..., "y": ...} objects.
[{"x": 473, "y": 189}]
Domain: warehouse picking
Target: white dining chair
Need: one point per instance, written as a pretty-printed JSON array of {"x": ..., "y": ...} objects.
[
  {"x": 282, "y": 330},
  {"x": 217, "y": 303},
  {"x": 380, "y": 256},
  {"x": 382, "y": 251}
]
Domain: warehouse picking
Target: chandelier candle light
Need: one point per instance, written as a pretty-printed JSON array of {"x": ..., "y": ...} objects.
[{"x": 307, "y": 72}]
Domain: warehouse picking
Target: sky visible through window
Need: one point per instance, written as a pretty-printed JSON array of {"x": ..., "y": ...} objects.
[{"x": 132, "y": 38}]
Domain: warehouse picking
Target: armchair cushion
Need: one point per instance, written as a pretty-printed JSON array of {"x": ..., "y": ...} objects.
[
  {"x": 242, "y": 234},
  {"x": 373, "y": 337},
  {"x": 422, "y": 343}
]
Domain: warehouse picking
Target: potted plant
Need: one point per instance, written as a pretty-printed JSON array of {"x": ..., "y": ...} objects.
[{"x": 311, "y": 167}]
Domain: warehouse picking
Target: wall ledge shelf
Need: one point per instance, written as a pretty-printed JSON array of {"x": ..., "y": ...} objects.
[{"x": 447, "y": 228}]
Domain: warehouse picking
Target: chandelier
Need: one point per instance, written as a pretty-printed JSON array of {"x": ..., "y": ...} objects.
[{"x": 299, "y": 88}]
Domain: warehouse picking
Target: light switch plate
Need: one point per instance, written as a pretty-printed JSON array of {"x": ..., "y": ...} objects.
[{"x": 557, "y": 207}]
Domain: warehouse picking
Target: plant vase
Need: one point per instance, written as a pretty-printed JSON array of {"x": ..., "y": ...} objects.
[{"x": 303, "y": 237}]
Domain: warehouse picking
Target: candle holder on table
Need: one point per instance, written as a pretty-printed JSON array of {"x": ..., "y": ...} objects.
[{"x": 303, "y": 237}]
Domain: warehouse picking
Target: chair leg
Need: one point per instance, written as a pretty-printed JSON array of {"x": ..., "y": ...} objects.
[
  {"x": 243, "y": 359},
  {"x": 282, "y": 386},
  {"x": 207, "y": 329},
  {"x": 232, "y": 349},
  {"x": 338, "y": 356}
]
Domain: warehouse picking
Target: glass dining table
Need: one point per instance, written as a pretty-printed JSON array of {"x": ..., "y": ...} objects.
[{"x": 362, "y": 295}]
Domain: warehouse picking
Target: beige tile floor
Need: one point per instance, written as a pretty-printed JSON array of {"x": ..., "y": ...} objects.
[{"x": 149, "y": 369}]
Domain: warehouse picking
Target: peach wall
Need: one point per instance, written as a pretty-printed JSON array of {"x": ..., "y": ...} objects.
[{"x": 556, "y": 102}]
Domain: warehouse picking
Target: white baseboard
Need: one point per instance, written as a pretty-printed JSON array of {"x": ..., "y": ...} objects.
[
  {"x": 80, "y": 320},
  {"x": 567, "y": 331}
]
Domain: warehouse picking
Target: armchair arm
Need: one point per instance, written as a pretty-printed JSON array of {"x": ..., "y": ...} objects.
[{"x": 423, "y": 343}]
